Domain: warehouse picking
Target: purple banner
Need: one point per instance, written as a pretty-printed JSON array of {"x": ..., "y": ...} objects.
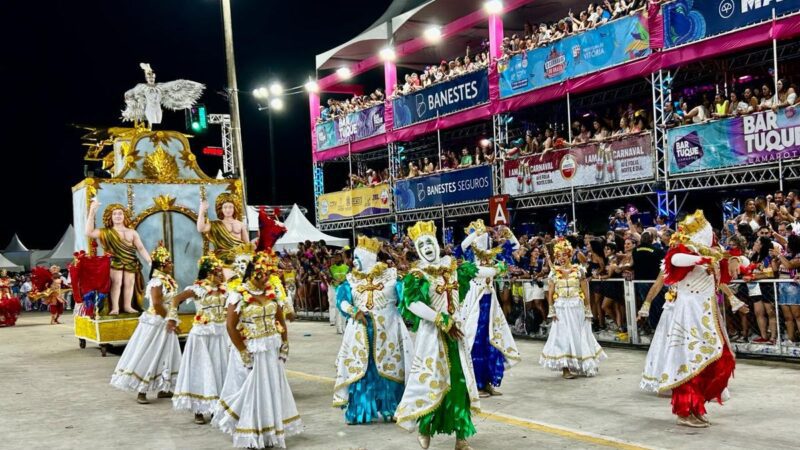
[{"x": 352, "y": 127}]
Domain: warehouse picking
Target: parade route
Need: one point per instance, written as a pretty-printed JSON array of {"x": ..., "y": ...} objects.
[{"x": 56, "y": 395}]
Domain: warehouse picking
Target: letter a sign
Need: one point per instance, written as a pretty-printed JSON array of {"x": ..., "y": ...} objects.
[{"x": 498, "y": 210}]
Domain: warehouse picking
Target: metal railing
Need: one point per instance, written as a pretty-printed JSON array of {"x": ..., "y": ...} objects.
[{"x": 757, "y": 323}]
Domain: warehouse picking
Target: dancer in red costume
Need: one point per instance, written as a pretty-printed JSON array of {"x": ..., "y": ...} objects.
[
  {"x": 9, "y": 305},
  {"x": 49, "y": 289},
  {"x": 698, "y": 361}
]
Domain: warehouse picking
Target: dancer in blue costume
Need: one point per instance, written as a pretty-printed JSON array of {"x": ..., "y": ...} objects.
[
  {"x": 486, "y": 330},
  {"x": 376, "y": 353},
  {"x": 440, "y": 392}
]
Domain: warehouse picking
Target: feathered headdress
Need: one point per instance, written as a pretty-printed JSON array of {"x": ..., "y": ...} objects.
[
  {"x": 270, "y": 229},
  {"x": 160, "y": 255},
  {"x": 265, "y": 262},
  {"x": 41, "y": 278},
  {"x": 209, "y": 263},
  {"x": 562, "y": 247}
]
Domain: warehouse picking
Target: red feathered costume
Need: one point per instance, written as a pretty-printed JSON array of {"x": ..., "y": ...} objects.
[
  {"x": 9, "y": 305},
  {"x": 699, "y": 362}
]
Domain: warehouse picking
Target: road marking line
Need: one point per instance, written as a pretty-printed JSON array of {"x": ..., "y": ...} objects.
[
  {"x": 541, "y": 427},
  {"x": 584, "y": 436}
]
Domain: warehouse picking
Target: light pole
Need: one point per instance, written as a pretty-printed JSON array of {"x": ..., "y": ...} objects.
[
  {"x": 233, "y": 95},
  {"x": 274, "y": 95}
]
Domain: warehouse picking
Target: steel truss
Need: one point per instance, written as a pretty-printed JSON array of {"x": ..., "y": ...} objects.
[
  {"x": 772, "y": 173},
  {"x": 224, "y": 121},
  {"x": 462, "y": 210},
  {"x": 661, "y": 84},
  {"x": 584, "y": 195},
  {"x": 611, "y": 95}
]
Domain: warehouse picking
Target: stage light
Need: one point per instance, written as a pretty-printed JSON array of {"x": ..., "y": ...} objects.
[
  {"x": 388, "y": 54},
  {"x": 433, "y": 34},
  {"x": 276, "y": 88},
  {"x": 493, "y": 7},
  {"x": 312, "y": 86},
  {"x": 344, "y": 73},
  {"x": 276, "y": 104}
]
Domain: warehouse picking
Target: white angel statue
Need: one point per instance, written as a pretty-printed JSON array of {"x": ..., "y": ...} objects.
[{"x": 145, "y": 100}]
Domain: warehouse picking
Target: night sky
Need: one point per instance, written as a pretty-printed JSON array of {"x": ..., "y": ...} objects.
[{"x": 68, "y": 63}]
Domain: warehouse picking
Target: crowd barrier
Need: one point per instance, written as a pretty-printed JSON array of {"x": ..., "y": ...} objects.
[{"x": 524, "y": 303}]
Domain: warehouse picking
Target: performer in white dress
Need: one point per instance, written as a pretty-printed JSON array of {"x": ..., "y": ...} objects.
[
  {"x": 151, "y": 358},
  {"x": 486, "y": 329},
  {"x": 698, "y": 362},
  {"x": 375, "y": 357},
  {"x": 205, "y": 356},
  {"x": 256, "y": 405},
  {"x": 440, "y": 392},
  {"x": 655, "y": 353},
  {"x": 571, "y": 347}
]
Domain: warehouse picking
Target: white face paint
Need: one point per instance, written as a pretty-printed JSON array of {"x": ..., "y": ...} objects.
[
  {"x": 240, "y": 264},
  {"x": 427, "y": 249},
  {"x": 364, "y": 260}
]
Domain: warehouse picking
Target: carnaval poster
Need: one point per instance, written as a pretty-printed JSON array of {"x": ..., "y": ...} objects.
[
  {"x": 692, "y": 20},
  {"x": 614, "y": 43},
  {"x": 627, "y": 159},
  {"x": 441, "y": 99},
  {"x": 740, "y": 141},
  {"x": 366, "y": 201},
  {"x": 446, "y": 188},
  {"x": 352, "y": 127}
]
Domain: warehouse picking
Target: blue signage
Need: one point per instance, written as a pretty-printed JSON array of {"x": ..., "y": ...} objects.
[
  {"x": 446, "y": 188},
  {"x": 614, "y": 43},
  {"x": 451, "y": 96},
  {"x": 691, "y": 20}
]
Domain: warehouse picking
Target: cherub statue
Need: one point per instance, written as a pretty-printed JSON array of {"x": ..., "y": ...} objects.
[{"x": 145, "y": 100}]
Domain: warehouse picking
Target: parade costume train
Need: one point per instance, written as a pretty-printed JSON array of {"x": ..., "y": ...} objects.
[
  {"x": 375, "y": 357},
  {"x": 486, "y": 329},
  {"x": 440, "y": 392}
]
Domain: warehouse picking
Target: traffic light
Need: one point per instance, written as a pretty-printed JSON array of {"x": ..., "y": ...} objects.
[{"x": 196, "y": 118}]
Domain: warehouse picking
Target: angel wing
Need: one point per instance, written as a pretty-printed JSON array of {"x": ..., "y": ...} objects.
[
  {"x": 134, "y": 103},
  {"x": 180, "y": 94}
]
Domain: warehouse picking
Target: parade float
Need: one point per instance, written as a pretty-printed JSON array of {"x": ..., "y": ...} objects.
[{"x": 150, "y": 190}]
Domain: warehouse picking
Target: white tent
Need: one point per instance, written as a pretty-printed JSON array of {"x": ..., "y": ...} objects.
[
  {"x": 62, "y": 252},
  {"x": 299, "y": 229},
  {"x": 10, "y": 266},
  {"x": 15, "y": 245},
  {"x": 18, "y": 253}
]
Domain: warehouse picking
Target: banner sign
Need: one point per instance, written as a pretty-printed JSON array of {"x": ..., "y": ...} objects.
[
  {"x": 614, "y": 43},
  {"x": 740, "y": 141},
  {"x": 498, "y": 210},
  {"x": 444, "y": 98},
  {"x": 626, "y": 159},
  {"x": 352, "y": 127},
  {"x": 691, "y": 20},
  {"x": 458, "y": 186},
  {"x": 360, "y": 202}
]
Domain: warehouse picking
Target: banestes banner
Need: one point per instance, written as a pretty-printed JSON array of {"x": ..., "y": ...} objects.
[
  {"x": 740, "y": 141},
  {"x": 626, "y": 159},
  {"x": 446, "y": 188},
  {"x": 451, "y": 96}
]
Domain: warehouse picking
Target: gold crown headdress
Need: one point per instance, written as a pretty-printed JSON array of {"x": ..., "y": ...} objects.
[
  {"x": 422, "y": 229},
  {"x": 689, "y": 226},
  {"x": 228, "y": 197},
  {"x": 160, "y": 255},
  {"x": 209, "y": 263},
  {"x": 371, "y": 245},
  {"x": 477, "y": 227}
]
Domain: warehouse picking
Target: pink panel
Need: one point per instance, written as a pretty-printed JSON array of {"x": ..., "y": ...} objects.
[
  {"x": 495, "y": 36},
  {"x": 313, "y": 106},
  {"x": 655, "y": 25}
]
